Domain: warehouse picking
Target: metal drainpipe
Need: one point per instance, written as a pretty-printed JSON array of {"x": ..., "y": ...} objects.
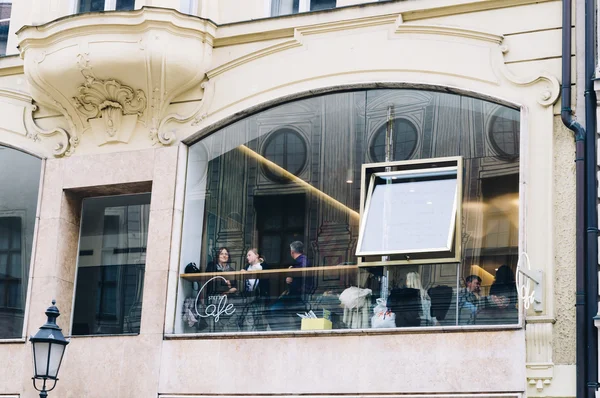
[
  {"x": 566, "y": 114},
  {"x": 591, "y": 267}
]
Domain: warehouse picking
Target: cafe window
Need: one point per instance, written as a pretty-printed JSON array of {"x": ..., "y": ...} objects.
[
  {"x": 18, "y": 207},
  {"x": 293, "y": 253},
  {"x": 111, "y": 265}
]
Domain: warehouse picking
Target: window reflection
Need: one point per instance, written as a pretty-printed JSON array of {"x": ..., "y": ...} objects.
[
  {"x": 404, "y": 137},
  {"x": 286, "y": 149},
  {"x": 111, "y": 265},
  {"x": 18, "y": 207},
  {"x": 273, "y": 191}
]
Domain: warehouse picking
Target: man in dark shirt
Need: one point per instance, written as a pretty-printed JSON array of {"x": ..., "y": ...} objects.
[
  {"x": 282, "y": 315},
  {"x": 298, "y": 283}
]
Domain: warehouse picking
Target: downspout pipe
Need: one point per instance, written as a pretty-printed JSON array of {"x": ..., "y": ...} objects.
[
  {"x": 566, "y": 114},
  {"x": 591, "y": 209}
]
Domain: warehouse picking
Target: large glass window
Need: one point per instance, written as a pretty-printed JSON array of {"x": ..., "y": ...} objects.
[
  {"x": 110, "y": 269},
  {"x": 5, "y": 11},
  {"x": 18, "y": 206},
  {"x": 272, "y": 216}
]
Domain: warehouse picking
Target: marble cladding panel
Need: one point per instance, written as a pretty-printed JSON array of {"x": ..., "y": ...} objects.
[
  {"x": 46, "y": 253},
  {"x": 52, "y": 189},
  {"x": 400, "y": 363},
  {"x": 12, "y": 377},
  {"x": 154, "y": 302},
  {"x": 45, "y": 289},
  {"x": 56, "y": 251},
  {"x": 110, "y": 366},
  {"x": 159, "y": 240},
  {"x": 165, "y": 176},
  {"x": 108, "y": 169},
  {"x": 67, "y": 250}
]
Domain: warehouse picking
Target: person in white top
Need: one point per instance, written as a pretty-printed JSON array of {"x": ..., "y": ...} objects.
[
  {"x": 254, "y": 264},
  {"x": 252, "y": 317}
]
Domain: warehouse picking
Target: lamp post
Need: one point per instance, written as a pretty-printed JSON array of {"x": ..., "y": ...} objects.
[{"x": 48, "y": 346}]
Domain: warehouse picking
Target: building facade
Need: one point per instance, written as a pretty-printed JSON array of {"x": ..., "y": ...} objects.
[{"x": 187, "y": 177}]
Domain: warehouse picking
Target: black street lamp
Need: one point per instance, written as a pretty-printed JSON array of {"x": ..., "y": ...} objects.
[{"x": 48, "y": 349}]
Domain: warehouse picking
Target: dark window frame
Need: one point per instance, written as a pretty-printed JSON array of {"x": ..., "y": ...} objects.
[
  {"x": 516, "y": 131},
  {"x": 382, "y": 130},
  {"x": 6, "y": 279},
  {"x": 286, "y": 131}
]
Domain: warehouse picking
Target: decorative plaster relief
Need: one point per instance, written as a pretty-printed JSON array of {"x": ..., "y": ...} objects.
[
  {"x": 138, "y": 69},
  {"x": 65, "y": 145},
  {"x": 550, "y": 87},
  {"x": 112, "y": 108}
]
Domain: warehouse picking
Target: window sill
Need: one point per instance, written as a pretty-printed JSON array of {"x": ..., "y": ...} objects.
[
  {"x": 345, "y": 332},
  {"x": 102, "y": 335},
  {"x": 20, "y": 340}
]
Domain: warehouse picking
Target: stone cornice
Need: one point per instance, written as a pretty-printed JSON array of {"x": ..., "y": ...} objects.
[
  {"x": 284, "y": 27},
  {"x": 15, "y": 95},
  {"x": 136, "y": 21},
  {"x": 450, "y": 31},
  {"x": 11, "y": 65},
  {"x": 475, "y": 6}
]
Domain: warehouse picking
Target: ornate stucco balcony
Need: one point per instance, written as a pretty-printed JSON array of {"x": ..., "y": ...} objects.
[{"x": 114, "y": 74}]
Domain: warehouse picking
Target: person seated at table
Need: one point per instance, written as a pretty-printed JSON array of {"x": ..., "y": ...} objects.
[
  {"x": 299, "y": 285},
  {"x": 501, "y": 304},
  {"x": 282, "y": 314},
  {"x": 223, "y": 264},
  {"x": 255, "y": 290},
  {"x": 469, "y": 298}
]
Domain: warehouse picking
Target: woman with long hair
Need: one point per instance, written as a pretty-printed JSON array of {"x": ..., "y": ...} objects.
[
  {"x": 223, "y": 264},
  {"x": 222, "y": 290}
]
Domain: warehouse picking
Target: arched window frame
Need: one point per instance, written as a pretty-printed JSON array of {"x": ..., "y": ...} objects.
[
  {"x": 493, "y": 143},
  {"x": 270, "y": 137},
  {"x": 382, "y": 128}
]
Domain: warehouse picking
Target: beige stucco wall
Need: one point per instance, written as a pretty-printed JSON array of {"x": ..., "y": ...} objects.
[
  {"x": 564, "y": 336},
  {"x": 507, "y": 51}
]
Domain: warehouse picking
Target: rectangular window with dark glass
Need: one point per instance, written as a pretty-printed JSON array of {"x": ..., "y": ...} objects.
[
  {"x": 10, "y": 263},
  {"x": 110, "y": 269}
]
